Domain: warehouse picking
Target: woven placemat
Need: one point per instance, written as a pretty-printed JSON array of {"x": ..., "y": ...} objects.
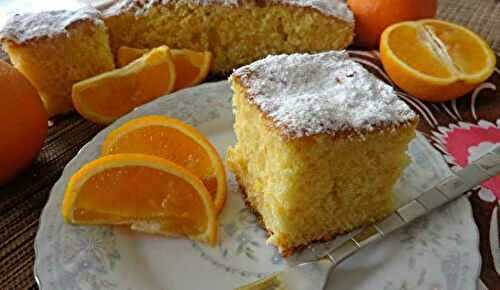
[
  {"x": 22, "y": 200},
  {"x": 482, "y": 16}
]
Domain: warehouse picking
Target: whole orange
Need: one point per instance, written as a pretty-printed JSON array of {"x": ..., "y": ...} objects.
[
  {"x": 23, "y": 122},
  {"x": 373, "y": 16}
]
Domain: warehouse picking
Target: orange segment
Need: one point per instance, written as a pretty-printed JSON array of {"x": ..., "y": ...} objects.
[
  {"x": 466, "y": 50},
  {"x": 406, "y": 51},
  {"x": 435, "y": 60},
  {"x": 107, "y": 96},
  {"x": 127, "y": 55},
  {"x": 176, "y": 141},
  {"x": 148, "y": 193},
  {"x": 191, "y": 67}
]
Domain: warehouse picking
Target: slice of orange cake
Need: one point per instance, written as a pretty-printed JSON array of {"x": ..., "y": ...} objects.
[
  {"x": 55, "y": 49},
  {"x": 321, "y": 143}
]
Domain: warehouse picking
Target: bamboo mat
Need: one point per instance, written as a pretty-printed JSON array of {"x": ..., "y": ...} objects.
[{"x": 22, "y": 200}]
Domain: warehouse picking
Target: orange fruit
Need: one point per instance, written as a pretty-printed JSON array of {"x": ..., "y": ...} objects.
[
  {"x": 374, "y": 16},
  {"x": 176, "y": 141},
  {"x": 148, "y": 193},
  {"x": 23, "y": 125},
  {"x": 435, "y": 60},
  {"x": 105, "y": 97},
  {"x": 191, "y": 66}
]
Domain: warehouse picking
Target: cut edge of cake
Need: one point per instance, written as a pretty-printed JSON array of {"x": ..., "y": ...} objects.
[{"x": 318, "y": 26}]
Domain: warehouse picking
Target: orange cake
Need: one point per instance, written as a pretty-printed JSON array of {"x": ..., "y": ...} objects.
[
  {"x": 237, "y": 32},
  {"x": 56, "y": 49},
  {"x": 321, "y": 142}
]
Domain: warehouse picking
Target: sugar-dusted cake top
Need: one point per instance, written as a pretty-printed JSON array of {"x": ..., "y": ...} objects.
[
  {"x": 335, "y": 8},
  {"x": 309, "y": 94},
  {"x": 24, "y": 27}
]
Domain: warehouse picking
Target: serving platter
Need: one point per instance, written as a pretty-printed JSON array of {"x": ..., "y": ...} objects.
[{"x": 437, "y": 252}]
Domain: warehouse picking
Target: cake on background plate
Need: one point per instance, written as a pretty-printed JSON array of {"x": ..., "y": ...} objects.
[
  {"x": 237, "y": 32},
  {"x": 320, "y": 144},
  {"x": 56, "y": 49}
]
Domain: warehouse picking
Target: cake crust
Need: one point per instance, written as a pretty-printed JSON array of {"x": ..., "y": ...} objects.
[
  {"x": 303, "y": 95},
  {"x": 23, "y": 28},
  {"x": 333, "y": 8}
]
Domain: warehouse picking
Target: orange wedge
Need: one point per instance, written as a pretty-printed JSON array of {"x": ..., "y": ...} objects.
[
  {"x": 192, "y": 67},
  {"x": 107, "y": 96},
  {"x": 435, "y": 60},
  {"x": 127, "y": 54},
  {"x": 176, "y": 141},
  {"x": 148, "y": 193}
]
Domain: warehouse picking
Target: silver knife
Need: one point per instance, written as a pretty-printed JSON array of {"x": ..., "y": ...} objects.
[{"x": 313, "y": 275}]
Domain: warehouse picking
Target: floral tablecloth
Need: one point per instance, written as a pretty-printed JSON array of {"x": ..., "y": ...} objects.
[{"x": 462, "y": 130}]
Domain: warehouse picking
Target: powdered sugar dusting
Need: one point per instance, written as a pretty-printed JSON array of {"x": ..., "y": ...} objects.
[
  {"x": 308, "y": 94},
  {"x": 335, "y": 8},
  {"x": 23, "y": 27}
]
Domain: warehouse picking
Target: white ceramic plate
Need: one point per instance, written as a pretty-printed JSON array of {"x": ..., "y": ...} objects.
[{"x": 438, "y": 252}]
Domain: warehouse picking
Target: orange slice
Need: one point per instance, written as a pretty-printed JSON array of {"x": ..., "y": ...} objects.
[
  {"x": 127, "y": 54},
  {"x": 107, "y": 96},
  {"x": 176, "y": 141},
  {"x": 435, "y": 60},
  {"x": 148, "y": 193},
  {"x": 192, "y": 67}
]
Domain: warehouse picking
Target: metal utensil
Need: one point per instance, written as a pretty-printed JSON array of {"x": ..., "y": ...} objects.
[{"x": 313, "y": 275}]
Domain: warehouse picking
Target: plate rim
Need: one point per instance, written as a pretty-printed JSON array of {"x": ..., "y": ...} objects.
[{"x": 42, "y": 218}]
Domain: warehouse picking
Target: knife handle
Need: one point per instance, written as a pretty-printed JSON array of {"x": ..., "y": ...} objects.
[{"x": 451, "y": 188}]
